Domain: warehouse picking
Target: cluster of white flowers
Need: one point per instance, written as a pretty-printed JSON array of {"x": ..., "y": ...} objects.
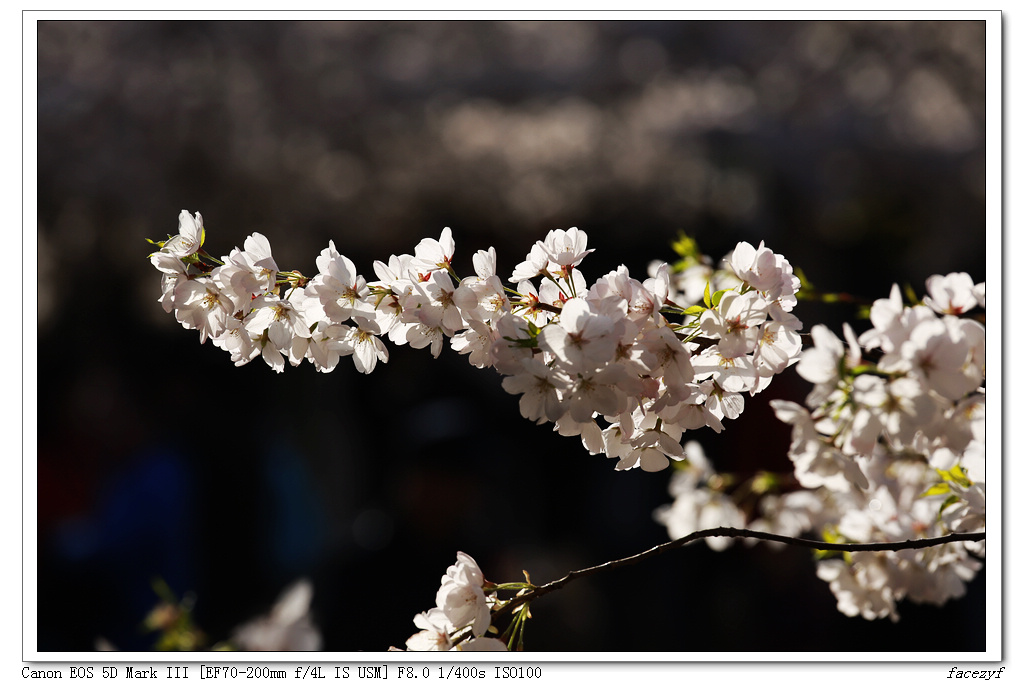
[
  {"x": 890, "y": 445},
  {"x": 573, "y": 353},
  {"x": 238, "y": 304},
  {"x": 886, "y": 450},
  {"x": 462, "y": 609},
  {"x": 698, "y": 502}
]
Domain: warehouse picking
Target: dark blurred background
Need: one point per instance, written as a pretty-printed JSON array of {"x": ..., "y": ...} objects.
[{"x": 856, "y": 149}]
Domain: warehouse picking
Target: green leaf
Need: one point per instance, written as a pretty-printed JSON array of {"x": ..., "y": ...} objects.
[
  {"x": 159, "y": 245},
  {"x": 956, "y": 475},
  {"x": 937, "y": 489},
  {"x": 707, "y": 295},
  {"x": 522, "y": 343},
  {"x": 686, "y": 247},
  {"x": 717, "y": 297},
  {"x": 697, "y": 310},
  {"x": 764, "y": 482},
  {"x": 912, "y": 298},
  {"x": 952, "y": 499}
]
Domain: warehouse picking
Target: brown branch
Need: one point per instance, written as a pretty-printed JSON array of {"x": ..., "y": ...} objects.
[
  {"x": 547, "y": 307},
  {"x": 919, "y": 543}
]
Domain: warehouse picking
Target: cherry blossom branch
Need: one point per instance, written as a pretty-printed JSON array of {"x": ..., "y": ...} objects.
[
  {"x": 919, "y": 543},
  {"x": 576, "y": 353}
]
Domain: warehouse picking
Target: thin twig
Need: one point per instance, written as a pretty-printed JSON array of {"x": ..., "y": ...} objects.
[{"x": 918, "y": 543}]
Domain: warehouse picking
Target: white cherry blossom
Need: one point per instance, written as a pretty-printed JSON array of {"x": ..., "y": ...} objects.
[
  {"x": 952, "y": 294},
  {"x": 288, "y": 627},
  {"x": 202, "y": 305},
  {"x": 566, "y": 248},
  {"x": 434, "y": 632},
  {"x": 189, "y": 238},
  {"x": 536, "y": 263},
  {"x": 581, "y": 339},
  {"x": 461, "y": 596},
  {"x": 735, "y": 322},
  {"x": 435, "y": 254},
  {"x": 362, "y": 342},
  {"x": 542, "y": 388},
  {"x": 173, "y": 272},
  {"x": 248, "y": 273},
  {"x": 341, "y": 291}
]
